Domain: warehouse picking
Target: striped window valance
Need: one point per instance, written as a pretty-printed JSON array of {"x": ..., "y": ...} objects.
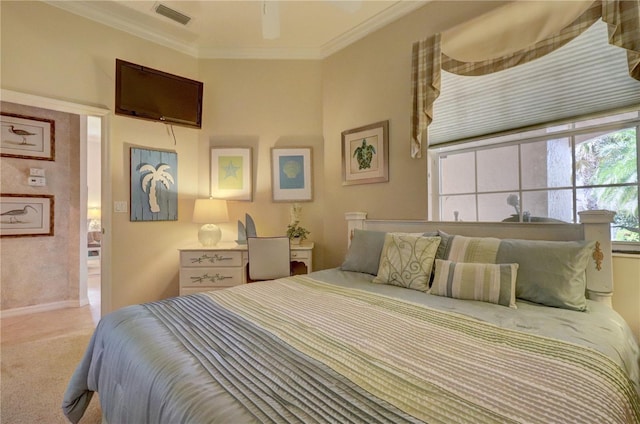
[{"x": 429, "y": 58}]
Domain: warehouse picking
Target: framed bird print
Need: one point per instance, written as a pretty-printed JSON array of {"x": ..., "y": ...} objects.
[
  {"x": 365, "y": 154},
  {"x": 231, "y": 173},
  {"x": 26, "y": 215},
  {"x": 27, "y": 137}
]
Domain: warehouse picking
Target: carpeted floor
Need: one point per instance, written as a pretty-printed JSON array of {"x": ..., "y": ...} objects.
[{"x": 35, "y": 375}]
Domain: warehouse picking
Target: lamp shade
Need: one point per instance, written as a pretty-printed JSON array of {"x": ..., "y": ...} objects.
[
  {"x": 93, "y": 213},
  {"x": 209, "y": 212}
]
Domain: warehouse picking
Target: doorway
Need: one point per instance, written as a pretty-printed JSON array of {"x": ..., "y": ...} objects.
[
  {"x": 103, "y": 114},
  {"x": 94, "y": 213}
]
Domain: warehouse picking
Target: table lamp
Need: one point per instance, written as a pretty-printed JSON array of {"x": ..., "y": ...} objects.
[
  {"x": 93, "y": 215},
  {"x": 210, "y": 212}
]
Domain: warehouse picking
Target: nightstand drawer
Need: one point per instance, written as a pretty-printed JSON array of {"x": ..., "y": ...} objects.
[
  {"x": 300, "y": 254},
  {"x": 211, "y": 277},
  {"x": 209, "y": 258}
]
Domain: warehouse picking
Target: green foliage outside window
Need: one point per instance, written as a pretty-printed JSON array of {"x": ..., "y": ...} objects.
[{"x": 606, "y": 160}]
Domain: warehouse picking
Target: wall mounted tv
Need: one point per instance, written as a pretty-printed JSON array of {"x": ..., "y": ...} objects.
[{"x": 147, "y": 93}]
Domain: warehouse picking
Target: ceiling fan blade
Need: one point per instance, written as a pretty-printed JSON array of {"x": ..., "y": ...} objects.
[
  {"x": 270, "y": 19},
  {"x": 350, "y": 6}
]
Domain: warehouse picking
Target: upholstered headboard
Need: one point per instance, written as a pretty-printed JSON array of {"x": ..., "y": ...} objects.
[{"x": 594, "y": 225}]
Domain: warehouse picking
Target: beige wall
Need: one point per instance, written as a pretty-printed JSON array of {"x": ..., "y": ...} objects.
[
  {"x": 254, "y": 103},
  {"x": 41, "y": 270},
  {"x": 52, "y": 53},
  {"x": 626, "y": 295},
  {"x": 367, "y": 82},
  {"x": 263, "y": 104},
  {"x": 259, "y": 104}
]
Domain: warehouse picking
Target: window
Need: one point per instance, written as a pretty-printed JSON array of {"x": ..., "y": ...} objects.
[{"x": 545, "y": 174}]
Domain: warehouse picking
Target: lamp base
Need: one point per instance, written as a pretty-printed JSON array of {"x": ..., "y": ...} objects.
[{"x": 209, "y": 235}]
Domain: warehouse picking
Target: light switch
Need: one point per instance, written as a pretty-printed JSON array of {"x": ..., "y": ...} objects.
[
  {"x": 36, "y": 172},
  {"x": 37, "y": 181},
  {"x": 120, "y": 206}
]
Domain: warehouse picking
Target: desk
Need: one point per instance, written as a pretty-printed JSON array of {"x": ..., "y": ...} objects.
[{"x": 225, "y": 265}]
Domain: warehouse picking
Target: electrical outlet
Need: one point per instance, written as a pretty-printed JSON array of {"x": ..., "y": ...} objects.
[{"x": 120, "y": 206}]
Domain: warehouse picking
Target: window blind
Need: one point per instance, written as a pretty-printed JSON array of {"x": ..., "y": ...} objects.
[{"x": 586, "y": 76}]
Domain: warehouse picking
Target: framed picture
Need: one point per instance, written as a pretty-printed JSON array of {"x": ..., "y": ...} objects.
[
  {"x": 27, "y": 137},
  {"x": 154, "y": 185},
  {"x": 231, "y": 176},
  {"x": 365, "y": 154},
  {"x": 291, "y": 174},
  {"x": 26, "y": 215}
]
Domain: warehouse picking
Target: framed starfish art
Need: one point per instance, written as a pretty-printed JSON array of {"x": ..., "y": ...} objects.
[
  {"x": 231, "y": 173},
  {"x": 27, "y": 137}
]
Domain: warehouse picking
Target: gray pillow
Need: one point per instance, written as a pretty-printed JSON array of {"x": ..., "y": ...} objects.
[
  {"x": 551, "y": 272},
  {"x": 364, "y": 252}
]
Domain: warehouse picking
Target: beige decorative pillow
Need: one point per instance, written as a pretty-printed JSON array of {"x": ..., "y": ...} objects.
[
  {"x": 493, "y": 283},
  {"x": 407, "y": 260}
]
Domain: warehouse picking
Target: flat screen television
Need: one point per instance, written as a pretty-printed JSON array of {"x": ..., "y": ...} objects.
[{"x": 147, "y": 93}]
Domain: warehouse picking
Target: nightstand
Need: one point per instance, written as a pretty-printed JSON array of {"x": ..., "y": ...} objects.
[
  {"x": 225, "y": 265},
  {"x": 204, "y": 269},
  {"x": 302, "y": 253}
]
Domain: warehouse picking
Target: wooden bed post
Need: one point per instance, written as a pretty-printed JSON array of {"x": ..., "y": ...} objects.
[
  {"x": 597, "y": 227},
  {"x": 355, "y": 220}
]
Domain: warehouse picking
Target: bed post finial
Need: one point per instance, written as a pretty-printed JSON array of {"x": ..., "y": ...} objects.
[{"x": 597, "y": 227}]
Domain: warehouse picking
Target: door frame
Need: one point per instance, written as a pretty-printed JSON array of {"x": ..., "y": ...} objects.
[{"x": 104, "y": 114}]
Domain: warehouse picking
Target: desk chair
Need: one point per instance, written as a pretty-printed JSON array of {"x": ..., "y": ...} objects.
[{"x": 269, "y": 258}]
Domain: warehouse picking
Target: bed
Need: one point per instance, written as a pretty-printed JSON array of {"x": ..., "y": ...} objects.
[{"x": 423, "y": 322}]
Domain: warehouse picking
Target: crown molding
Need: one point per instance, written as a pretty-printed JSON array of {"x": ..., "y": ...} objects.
[
  {"x": 387, "y": 16},
  {"x": 262, "y": 53},
  {"x": 106, "y": 14},
  {"x": 98, "y": 12}
]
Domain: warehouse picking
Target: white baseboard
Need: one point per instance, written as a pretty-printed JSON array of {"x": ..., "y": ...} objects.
[{"x": 42, "y": 308}]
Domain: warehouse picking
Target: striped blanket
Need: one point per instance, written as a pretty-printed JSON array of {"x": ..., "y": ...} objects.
[{"x": 300, "y": 350}]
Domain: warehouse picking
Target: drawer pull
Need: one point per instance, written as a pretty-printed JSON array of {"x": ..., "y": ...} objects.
[
  {"x": 211, "y": 278},
  {"x": 211, "y": 259}
]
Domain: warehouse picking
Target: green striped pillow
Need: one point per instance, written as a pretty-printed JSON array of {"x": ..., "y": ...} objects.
[{"x": 493, "y": 283}]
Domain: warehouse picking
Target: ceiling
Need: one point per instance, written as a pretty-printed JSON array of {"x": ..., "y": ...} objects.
[{"x": 308, "y": 29}]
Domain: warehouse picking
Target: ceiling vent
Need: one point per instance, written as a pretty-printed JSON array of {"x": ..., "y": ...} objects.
[{"x": 174, "y": 15}]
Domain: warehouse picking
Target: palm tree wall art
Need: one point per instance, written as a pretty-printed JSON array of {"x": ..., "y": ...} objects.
[{"x": 154, "y": 185}]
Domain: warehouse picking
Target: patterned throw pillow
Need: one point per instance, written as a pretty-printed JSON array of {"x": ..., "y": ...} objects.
[
  {"x": 493, "y": 283},
  {"x": 407, "y": 260}
]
